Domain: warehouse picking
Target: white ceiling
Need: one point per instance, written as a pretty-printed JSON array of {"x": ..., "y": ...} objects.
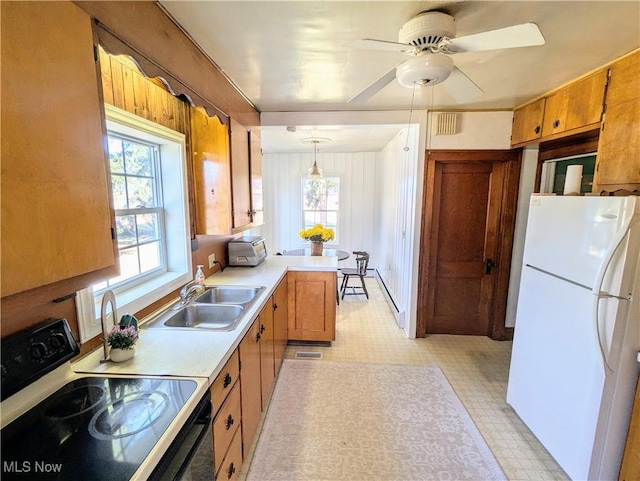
[{"x": 297, "y": 56}]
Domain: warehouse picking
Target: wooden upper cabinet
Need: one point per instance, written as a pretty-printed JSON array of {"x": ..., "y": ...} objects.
[
  {"x": 240, "y": 177},
  {"x": 618, "y": 160},
  {"x": 211, "y": 173},
  {"x": 255, "y": 158},
  {"x": 527, "y": 122},
  {"x": 624, "y": 82},
  {"x": 56, "y": 198},
  {"x": 578, "y": 105}
]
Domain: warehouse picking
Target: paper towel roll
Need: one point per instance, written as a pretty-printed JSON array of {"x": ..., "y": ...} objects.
[{"x": 573, "y": 180}]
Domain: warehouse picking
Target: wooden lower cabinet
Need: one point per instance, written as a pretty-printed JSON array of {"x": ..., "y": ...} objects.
[
  {"x": 225, "y": 425},
  {"x": 311, "y": 305},
  {"x": 630, "y": 469},
  {"x": 225, "y": 398},
  {"x": 250, "y": 385},
  {"x": 267, "y": 365},
  {"x": 230, "y": 465},
  {"x": 280, "y": 308}
]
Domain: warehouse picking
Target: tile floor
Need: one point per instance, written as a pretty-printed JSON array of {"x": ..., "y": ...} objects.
[{"x": 476, "y": 367}]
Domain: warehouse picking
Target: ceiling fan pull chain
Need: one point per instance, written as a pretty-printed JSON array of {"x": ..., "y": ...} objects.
[{"x": 413, "y": 94}]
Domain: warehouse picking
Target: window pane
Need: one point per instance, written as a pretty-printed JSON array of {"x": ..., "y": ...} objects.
[
  {"x": 115, "y": 155},
  {"x": 321, "y": 202},
  {"x": 147, "y": 227},
  {"x": 128, "y": 265},
  {"x": 150, "y": 256},
  {"x": 140, "y": 192},
  {"x": 119, "y": 189},
  {"x": 126, "y": 230},
  {"x": 139, "y": 159}
]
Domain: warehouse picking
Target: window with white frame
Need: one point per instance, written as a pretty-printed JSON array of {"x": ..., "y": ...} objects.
[
  {"x": 139, "y": 214},
  {"x": 321, "y": 202},
  {"x": 149, "y": 187}
]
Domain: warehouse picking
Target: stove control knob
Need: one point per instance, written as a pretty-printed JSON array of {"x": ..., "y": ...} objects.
[
  {"x": 57, "y": 341},
  {"x": 38, "y": 351}
]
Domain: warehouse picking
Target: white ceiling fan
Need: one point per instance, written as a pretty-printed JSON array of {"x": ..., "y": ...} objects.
[{"x": 429, "y": 39}]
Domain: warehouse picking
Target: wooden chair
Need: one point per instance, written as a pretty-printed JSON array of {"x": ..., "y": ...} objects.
[{"x": 362, "y": 262}]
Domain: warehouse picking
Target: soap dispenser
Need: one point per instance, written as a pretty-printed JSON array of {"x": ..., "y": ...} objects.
[{"x": 199, "y": 278}]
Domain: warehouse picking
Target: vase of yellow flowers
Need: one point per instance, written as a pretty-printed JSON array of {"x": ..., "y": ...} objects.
[{"x": 318, "y": 235}]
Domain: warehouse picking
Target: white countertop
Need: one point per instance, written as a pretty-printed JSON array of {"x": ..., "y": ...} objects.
[{"x": 201, "y": 353}]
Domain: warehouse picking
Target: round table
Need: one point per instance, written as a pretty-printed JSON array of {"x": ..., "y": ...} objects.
[{"x": 341, "y": 255}]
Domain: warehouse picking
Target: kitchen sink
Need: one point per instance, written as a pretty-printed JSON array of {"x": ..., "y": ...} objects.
[
  {"x": 228, "y": 295},
  {"x": 217, "y": 317},
  {"x": 219, "y": 308}
]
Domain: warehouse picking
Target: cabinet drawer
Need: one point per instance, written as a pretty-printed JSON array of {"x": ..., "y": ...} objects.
[
  {"x": 223, "y": 384},
  {"x": 229, "y": 468},
  {"x": 226, "y": 423}
]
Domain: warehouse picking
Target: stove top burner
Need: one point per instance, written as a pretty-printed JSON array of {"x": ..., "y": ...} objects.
[
  {"x": 93, "y": 428},
  {"x": 78, "y": 401},
  {"x": 128, "y": 415}
]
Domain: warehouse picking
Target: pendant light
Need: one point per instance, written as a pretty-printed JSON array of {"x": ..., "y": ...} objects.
[{"x": 314, "y": 171}]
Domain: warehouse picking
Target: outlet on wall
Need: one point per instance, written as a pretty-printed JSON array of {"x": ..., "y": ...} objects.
[{"x": 212, "y": 259}]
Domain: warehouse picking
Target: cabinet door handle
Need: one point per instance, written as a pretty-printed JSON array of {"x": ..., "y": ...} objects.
[
  {"x": 229, "y": 422},
  {"x": 231, "y": 471},
  {"x": 275, "y": 306},
  {"x": 262, "y": 328},
  {"x": 227, "y": 380},
  {"x": 258, "y": 336},
  {"x": 556, "y": 124},
  {"x": 537, "y": 129}
]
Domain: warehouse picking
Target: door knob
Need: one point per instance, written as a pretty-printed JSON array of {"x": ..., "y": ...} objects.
[{"x": 488, "y": 265}]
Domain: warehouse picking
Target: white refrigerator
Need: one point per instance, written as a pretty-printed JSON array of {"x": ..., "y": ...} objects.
[{"x": 574, "y": 363}]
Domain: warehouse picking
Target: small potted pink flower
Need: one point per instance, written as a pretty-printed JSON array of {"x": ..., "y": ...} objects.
[{"x": 122, "y": 341}]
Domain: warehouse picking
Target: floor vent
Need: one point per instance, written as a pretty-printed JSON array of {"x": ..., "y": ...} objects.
[{"x": 308, "y": 355}]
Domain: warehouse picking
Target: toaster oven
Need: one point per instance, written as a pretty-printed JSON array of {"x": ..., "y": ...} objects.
[{"x": 247, "y": 251}]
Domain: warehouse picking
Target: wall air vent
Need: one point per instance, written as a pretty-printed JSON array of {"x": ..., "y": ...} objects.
[{"x": 446, "y": 123}]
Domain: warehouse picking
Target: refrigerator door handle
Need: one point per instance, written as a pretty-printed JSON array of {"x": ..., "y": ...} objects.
[
  {"x": 596, "y": 324},
  {"x": 604, "y": 265},
  {"x": 597, "y": 286}
]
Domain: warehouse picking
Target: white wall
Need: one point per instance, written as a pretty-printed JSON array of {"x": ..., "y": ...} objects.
[
  {"x": 282, "y": 174},
  {"x": 527, "y": 182},
  {"x": 381, "y": 193}
]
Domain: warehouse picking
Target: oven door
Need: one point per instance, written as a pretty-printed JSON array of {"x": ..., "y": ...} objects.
[{"x": 190, "y": 456}]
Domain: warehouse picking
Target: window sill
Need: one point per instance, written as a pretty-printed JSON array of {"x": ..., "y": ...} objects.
[{"x": 135, "y": 299}]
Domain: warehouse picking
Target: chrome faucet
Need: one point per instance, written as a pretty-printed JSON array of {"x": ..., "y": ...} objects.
[
  {"x": 187, "y": 292},
  {"x": 107, "y": 298}
]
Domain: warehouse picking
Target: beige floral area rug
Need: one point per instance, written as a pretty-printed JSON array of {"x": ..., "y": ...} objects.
[{"x": 331, "y": 421}]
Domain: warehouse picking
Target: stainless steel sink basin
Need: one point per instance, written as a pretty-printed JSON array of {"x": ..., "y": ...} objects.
[
  {"x": 228, "y": 295},
  {"x": 216, "y": 317},
  {"x": 219, "y": 308}
]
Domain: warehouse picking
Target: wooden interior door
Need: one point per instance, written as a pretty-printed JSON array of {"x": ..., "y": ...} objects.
[{"x": 466, "y": 242}]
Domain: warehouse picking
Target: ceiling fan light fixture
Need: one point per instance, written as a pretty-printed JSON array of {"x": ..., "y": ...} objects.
[{"x": 427, "y": 69}]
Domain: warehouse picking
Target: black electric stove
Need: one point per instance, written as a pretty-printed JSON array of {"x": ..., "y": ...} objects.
[{"x": 98, "y": 428}]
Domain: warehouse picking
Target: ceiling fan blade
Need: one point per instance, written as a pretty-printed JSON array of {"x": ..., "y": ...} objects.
[
  {"x": 373, "y": 44},
  {"x": 461, "y": 87},
  {"x": 523, "y": 35},
  {"x": 374, "y": 88}
]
